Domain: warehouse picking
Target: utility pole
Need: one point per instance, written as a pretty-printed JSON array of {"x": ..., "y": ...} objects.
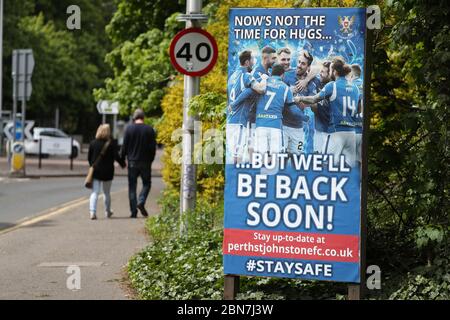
[
  {"x": 191, "y": 88},
  {"x": 193, "y": 52}
]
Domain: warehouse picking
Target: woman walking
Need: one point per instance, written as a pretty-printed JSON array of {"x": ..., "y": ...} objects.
[{"x": 104, "y": 150}]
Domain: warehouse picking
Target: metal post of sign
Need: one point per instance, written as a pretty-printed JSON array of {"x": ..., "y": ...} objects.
[
  {"x": 15, "y": 85},
  {"x": 24, "y": 110},
  {"x": 189, "y": 170},
  {"x": 231, "y": 287},
  {"x": 71, "y": 154},
  {"x": 357, "y": 291},
  {"x": 24, "y": 100},
  {"x": 57, "y": 118},
  {"x": 15, "y": 76},
  {"x": 115, "y": 126},
  {"x": 40, "y": 153}
]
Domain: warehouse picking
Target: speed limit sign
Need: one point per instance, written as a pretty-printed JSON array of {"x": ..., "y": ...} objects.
[{"x": 193, "y": 52}]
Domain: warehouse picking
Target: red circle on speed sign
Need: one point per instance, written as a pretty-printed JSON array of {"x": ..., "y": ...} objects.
[{"x": 193, "y": 52}]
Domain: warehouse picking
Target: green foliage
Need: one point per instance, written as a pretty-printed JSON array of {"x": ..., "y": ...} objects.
[
  {"x": 426, "y": 283},
  {"x": 141, "y": 68},
  {"x": 166, "y": 224},
  {"x": 430, "y": 235},
  {"x": 179, "y": 268},
  {"x": 210, "y": 107},
  {"x": 408, "y": 150},
  {"x": 420, "y": 288},
  {"x": 135, "y": 17},
  {"x": 61, "y": 76}
]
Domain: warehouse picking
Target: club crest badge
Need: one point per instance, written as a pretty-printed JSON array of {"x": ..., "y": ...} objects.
[{"x": 346, "y": 23}]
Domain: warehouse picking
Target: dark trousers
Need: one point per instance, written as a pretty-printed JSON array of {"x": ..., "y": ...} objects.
[{"x": 136, "y": 169}]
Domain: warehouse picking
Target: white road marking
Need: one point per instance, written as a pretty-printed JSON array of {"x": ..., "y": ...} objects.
[
  {"x": 10, "y": 180},
  {"x": 51, "y": 213},
  {"x": 67, "y": 264}
]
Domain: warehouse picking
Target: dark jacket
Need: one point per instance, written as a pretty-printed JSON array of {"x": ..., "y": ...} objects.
[
  {"x": 104, "y": 170},
  {"x": 139, "y": 143}
]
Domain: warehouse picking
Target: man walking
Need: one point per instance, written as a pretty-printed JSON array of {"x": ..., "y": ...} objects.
[{"x": 139, "y": 147}]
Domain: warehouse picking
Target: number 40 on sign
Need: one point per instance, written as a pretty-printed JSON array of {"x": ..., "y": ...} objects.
[{"x": 193, "y": 52}]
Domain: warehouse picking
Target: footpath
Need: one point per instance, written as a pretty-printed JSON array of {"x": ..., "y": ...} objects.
[
  {"x": 36, "y": 256},
  {"x": 59, "y": 166}
]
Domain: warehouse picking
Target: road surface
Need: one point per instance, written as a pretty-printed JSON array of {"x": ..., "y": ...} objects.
[{"x": 24, "y": 198}]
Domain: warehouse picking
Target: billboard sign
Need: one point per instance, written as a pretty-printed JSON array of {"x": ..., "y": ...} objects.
[{"x": 293, "y": 141}]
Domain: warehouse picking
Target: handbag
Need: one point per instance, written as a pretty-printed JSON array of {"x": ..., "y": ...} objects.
[{"x": 89, "y": 181}]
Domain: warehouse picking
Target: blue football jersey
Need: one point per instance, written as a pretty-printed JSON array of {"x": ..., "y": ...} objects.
[
  {"x": 359, "y": 83},
  {"x": 270, "y": 106},
  {"x": 309, "y": 130},
  {"x": 290, "y": 77},
  {"x": 238, "y": 82},
  {"x": 295, "y": 119},
  {"x": 322, "y": 116},
  {"x": 257, "y": 72},
  {"x": 343, "y": 96},
  {"x": 309, "y": 127},
  {"x": 317, "y": 83}
]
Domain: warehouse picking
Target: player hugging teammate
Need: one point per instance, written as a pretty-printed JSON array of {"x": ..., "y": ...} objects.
[{"x": 275, "y": 108}]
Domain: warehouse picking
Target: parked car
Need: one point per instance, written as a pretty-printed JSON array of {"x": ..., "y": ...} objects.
[{"x": 32, "y": 146}]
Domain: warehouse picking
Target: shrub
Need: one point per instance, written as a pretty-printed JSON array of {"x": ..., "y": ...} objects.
[
  {"x": 180, "y": 268},
  {"x": 426, "y": 283}
]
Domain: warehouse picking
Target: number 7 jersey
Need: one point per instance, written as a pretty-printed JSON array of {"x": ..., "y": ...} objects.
[
  {"x": 343, "y": 97},
  {"x": 269, "y": 108}
]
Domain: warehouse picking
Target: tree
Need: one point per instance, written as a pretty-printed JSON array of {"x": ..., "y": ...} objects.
[
  {"x": 140, "y": 60},
  {"x": 135, "y": 17},
  {"x": 409, "y": 158},
  {"x": 69, "y": 64},
  {"x": 141, "y": 70}
]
